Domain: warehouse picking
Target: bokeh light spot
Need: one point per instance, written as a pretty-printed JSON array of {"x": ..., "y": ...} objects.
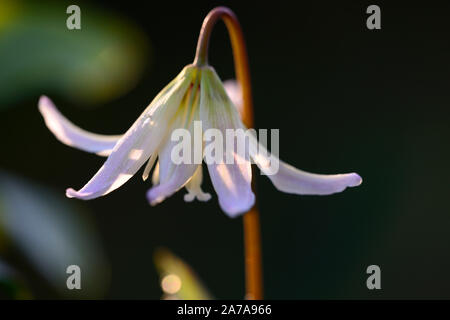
[{"x": 171, "y": 284}]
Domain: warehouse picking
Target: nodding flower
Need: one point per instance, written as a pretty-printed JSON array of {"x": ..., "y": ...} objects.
[{"x": 195, "y": 95}]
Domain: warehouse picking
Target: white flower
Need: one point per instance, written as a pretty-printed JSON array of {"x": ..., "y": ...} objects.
[{"x": 196, "y": 94}]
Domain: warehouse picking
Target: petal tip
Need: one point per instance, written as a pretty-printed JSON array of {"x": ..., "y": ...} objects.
[
  {"x": 154, "y": 198},
  {"x": 72, "y": 193},
  {"x": 234, "y": 210},
  {"x": 44, "y": 102},
  {"x": 356, "y": 180}
]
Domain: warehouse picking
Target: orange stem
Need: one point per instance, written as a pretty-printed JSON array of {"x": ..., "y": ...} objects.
[{"x": 252, "y": 236}]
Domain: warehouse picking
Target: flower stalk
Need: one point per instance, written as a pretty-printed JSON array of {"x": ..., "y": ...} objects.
[{"x": 251, "y": 224}]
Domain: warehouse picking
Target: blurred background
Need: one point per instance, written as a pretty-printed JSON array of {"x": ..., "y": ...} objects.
[{"x": 345, "y": 99}]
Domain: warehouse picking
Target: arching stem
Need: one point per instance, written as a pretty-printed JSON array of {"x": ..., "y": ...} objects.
[{"x": 252, "y": 236}]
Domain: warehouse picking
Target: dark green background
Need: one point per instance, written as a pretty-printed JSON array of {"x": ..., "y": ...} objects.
[{"x": 345, "y": 99}]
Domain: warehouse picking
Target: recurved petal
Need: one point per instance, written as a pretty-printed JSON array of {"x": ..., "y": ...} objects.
[
  {"x": 138, "y": 143},
  {"x": 285, "y": 177},
  {"x": 71, "y": 135},
  {"x": 289, "y": 179},
  {"x": 232, "y": 181}
]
